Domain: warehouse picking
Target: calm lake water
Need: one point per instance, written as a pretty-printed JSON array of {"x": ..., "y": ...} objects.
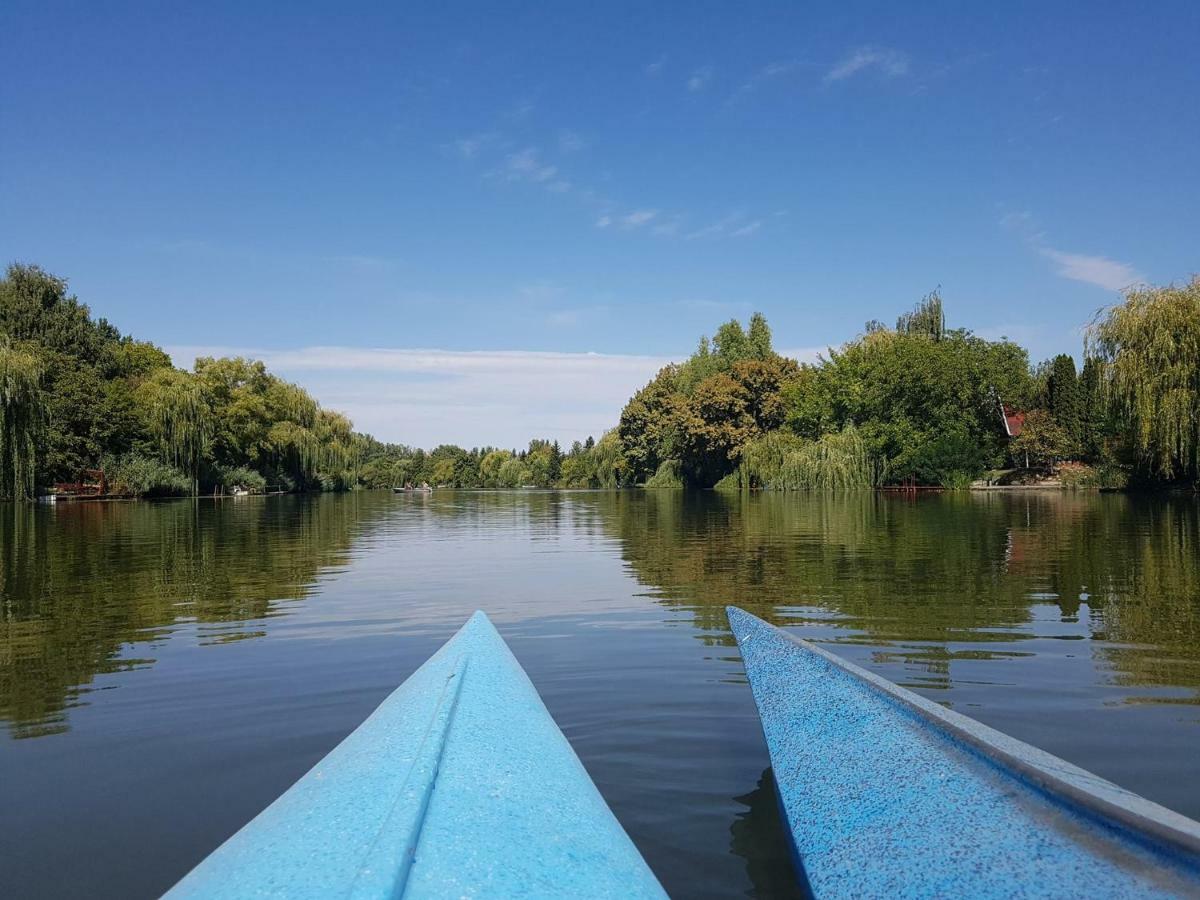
[{"x": 166, "y": 670}]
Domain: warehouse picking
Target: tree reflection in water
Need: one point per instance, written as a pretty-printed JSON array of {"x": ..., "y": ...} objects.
[
  {"x": 91, "y": 588},
  {"x": 918, "y": 576}
]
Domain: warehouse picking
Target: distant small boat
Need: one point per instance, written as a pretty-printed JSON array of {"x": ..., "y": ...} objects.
[
  {"x": 887, "y": 794},
  {"x": 458, "y": 785}
]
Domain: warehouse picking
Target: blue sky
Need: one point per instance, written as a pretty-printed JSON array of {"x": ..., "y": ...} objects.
[{"x": 481, "y": 222}]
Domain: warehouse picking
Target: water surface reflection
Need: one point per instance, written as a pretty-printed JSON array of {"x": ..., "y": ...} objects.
[{"x": 180, "y": 664}]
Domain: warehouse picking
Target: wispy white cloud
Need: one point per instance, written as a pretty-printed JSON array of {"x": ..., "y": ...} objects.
[
  {"x": 890, "y": 63},
  {"x": 604, "y": 221},
  {"x": 1023, "y": 222},
  {"x": 769, "y": 72},
  {"x": 638, "y": 218},
  {"x": 570, "y": 142},
  {"x": 656, "y": 67},
  {"x": 700, "y": 78},
  {"x": 1098, "y": 270},
  {"x": 472, "y": 398},
  {"x": 732, "y": 225},
  {"x": 472, "y": 145},
  {"x": 527, "y": 165}
]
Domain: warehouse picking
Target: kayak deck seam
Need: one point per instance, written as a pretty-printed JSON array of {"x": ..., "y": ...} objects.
[{"x": 389, "y": 859}]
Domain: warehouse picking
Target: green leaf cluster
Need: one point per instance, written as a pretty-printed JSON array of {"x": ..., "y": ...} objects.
[{"x": 1149, "y": 350}]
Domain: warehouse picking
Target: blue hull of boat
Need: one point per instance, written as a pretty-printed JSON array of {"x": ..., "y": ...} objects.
[
  {"x": 887, "y": 794},
  {"x": 458, "y": 785}
]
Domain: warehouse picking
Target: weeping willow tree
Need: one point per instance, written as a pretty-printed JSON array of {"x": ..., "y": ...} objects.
[
  {"x": 1150, "y": 350},
  {"x": 297, "y": 449},
  {"x": 292, "y": 437},
  {"x": 338, "y": 449},
  {"x": 179, "y": 418},
  {"x": 22, "y": 414},
  {"x": 840, "y": 460},
  {"x": 927, "y": 318},
  {"x": 607, "y": 464},
  {"x": 763, "y": 460}
]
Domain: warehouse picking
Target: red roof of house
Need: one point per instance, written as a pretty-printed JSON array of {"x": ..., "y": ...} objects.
[{"x": 1014, "y": 421}]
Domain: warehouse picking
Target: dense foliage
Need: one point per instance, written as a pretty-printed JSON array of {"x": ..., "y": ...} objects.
[
  {"x": 926, "y": 399},
  {"x": 22, "y": 411},
  {"x": 89, "y": 398},
  {"x": 922, "y": 403},
  {"x": 919, "y": 403},
  {"x": 696, "y": 417},
  {"x": 1149, "y": 347},
  {"x": 543, "y": 464}
]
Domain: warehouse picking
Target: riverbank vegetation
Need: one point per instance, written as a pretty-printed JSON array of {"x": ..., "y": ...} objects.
[
  {"x": 919, "y": 403},
  {"x": 926, "y": 404},
  {"x": 79, "y": 397}
]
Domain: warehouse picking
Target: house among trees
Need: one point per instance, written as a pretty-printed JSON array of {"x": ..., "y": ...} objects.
[{"x": 1014, "y": 421}]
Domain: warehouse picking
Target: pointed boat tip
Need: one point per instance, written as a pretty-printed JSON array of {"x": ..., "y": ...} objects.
[
  {"x": 738, "y": 619},
  {"x": 736, "y": 612},
  {"x": 479, "y": 619}
]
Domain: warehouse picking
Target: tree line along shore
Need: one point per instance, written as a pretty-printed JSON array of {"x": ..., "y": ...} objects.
[{"x": 914, "y": 404}]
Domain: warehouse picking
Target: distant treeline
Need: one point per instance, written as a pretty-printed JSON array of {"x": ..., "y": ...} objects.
[
  {"x": 80, "y": 401},
  {"x": 919, "y": 402}
]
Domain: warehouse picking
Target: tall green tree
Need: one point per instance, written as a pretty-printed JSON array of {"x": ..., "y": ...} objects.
[
  {"x": 22, "y": 419},
  {"x": 1150, "y": 347},
  {"x": 1093, "y": 415},
  {"x": 1063, "y": 397},
  {"x": 698, "y": 415},
  {"x": 758, "y": 338},
  {"x": 89, "y": 372},
  {"x": 927, "y": 318},
  {"x": 649, "y": 425},
  {"x": 180, "y": 419}
]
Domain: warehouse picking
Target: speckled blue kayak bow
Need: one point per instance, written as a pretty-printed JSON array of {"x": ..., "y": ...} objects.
[
  {"x": 458, "y": 785},
  {"x": 887, "y": 794}
]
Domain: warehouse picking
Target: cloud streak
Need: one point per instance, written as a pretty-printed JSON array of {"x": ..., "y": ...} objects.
[
  {"x": 570, "y": 142},
  {"x": 890, "y": 63},
  {"x": 1101, "y": 271},
  {"x": 1097, "y": 270},
  {"x": 699, "y": 79},
  {"x": 732, "y": 225},
  {"x": 638, "y": 218},
  {"x": 526, "y": 165}
]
